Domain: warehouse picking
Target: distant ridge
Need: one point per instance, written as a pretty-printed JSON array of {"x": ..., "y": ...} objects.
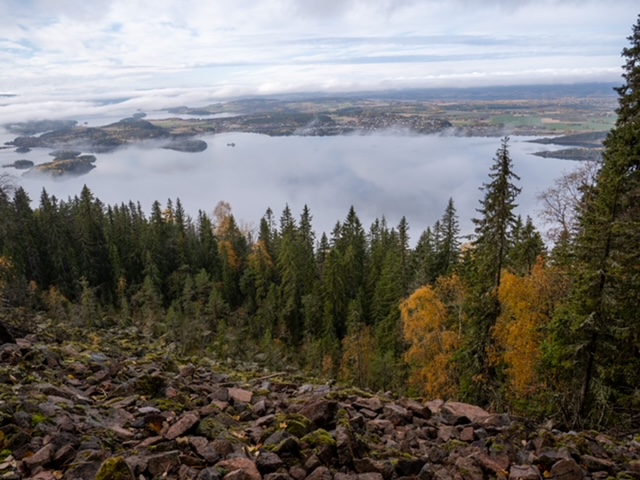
[{"x": 506, "y": 92}]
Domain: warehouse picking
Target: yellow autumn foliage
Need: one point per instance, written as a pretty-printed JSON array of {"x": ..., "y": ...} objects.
[
  {"x": 527, "y": 305},
  {"x": 259, "y": 258},
  {"x": 432, "y": 323},
  {"x": 6, "y": 273},
  {"x": 228, "y": 254}
]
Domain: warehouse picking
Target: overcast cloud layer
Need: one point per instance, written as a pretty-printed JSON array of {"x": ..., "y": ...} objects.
[{"x": 194, "y": 50}]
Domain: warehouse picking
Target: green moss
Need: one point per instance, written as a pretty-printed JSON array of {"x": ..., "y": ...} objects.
[
  {"x": 343, "y": 418},
  {"x": 455, "y": 444},
  {"x": 293, "y": 423},
  {"x": 114, "y": 469},
  {"x": 624, "y": 476},
  {"x": 4, "y": 454},
  {"x": 169, "y": 405},
  {"x": 319, "y": 437},
  {"x": 37, "y": 419},
  {"x": 151, "y": 386},
  {"x": 211, "y": 428},
  {"x": 345, "y": 393}
]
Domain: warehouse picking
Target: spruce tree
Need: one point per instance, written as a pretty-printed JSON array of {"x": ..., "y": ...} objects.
[
  {"x": 448, "y": 253},
  {"x": 494, "y": 227},
  {"x": 491, "y": 244},
  {"x": 601, "y": 332}
]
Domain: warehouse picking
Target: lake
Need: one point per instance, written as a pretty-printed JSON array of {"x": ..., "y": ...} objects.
[{"x": 391, "y": 174}]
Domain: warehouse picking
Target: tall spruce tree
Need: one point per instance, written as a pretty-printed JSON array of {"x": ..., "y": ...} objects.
[
  {"x": 494, "y": 227},
  {"x": 493, "y": 239},
  {"x": 602, "y": 329},
  {"x": 448, "y": 253}
]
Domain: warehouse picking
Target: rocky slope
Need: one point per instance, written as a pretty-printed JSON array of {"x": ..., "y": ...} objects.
[{"x": 111, "y": 404}]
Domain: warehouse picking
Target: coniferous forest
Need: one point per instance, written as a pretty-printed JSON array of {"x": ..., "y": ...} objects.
[{"x": 500, "y": 319}]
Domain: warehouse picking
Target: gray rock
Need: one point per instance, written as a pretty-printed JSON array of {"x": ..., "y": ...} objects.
[
  {"x": 209, "y": 474},
  {"x": 268, "y": 462}
]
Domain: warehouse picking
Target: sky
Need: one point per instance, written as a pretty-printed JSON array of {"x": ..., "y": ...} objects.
[{"x": 63, "y": 56}]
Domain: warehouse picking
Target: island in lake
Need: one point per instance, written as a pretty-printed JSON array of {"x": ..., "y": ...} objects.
[{"x": 583, "y": 116}]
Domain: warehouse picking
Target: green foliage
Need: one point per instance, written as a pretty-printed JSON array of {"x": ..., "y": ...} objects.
[
  {"x": 594, "y": 343},
  {"x": 360, "y": 305}
]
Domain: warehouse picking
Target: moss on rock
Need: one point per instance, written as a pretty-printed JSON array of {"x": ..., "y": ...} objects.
[
  {"x": 114, "y": 468},
  {"x": 293, "y": 423},
  {"x": 319, "y": 437}
]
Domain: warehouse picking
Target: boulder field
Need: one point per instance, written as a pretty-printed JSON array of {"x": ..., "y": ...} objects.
[{"x": 113, "y": 404}]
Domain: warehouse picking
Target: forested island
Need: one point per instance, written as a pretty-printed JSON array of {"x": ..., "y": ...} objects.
[{"x": 165, "y": 346}]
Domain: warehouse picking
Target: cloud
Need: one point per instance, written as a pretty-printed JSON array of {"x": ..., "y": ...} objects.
[{"x": 248, "y": 46}]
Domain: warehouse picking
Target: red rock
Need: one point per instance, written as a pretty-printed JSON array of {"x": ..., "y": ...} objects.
[
  {"x": 417, "y": 408},
  {"x": 320, "y": 412},
  {"x": 297, "y": 473},
  {"x": 41, "y": 457},
  {"x": 366, "y": 465},
  {"x": 396, "y": 414},
  {"x": 277, "y": 476},
  {"x": 567, "y": 470},
  {"x": 468, "y": 469},
  {"x": 320, "y": 473},
  {"x": 372, "y": 403},
  {"x": 494, "y": 464},
  {"x": 148, "y": 442},
  {"x": 205, "y": 449},
  {"x": 236, "y": 475},
  {"x": 247, "y": 466},
  {"x": 467, "y": 434},
  {"x": 187, "y": 473},
  {"x": 162, "y": 464},
  {"x": 121, "y": 432},
  {"x": 370, "y": 476},
  {"x": 222, "y": 406},
  {"x": 344, "y": 445},
  {"x": 595, "y": 464},
  {"x": 44, "y": 475},
  {"x": 64, "y": 454},
  {"x": 380, "y": 426},
  {"x": 446, "y": 433},
  {"x": 182, "y": 426},
  {"x": 240, "y": 395},
  {"x": 459, "y": 409},
  {"x": 524, "y": 472}
]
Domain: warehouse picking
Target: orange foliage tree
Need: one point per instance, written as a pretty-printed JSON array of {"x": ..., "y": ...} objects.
[
  {"x": 527, "y": 306},
  {"x": 432, "y": 325}
]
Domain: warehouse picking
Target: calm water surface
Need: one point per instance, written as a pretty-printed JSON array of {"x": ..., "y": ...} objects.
[{"x": 383, "y": 174}]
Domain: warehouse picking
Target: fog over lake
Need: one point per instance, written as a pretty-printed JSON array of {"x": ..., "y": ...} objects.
[{"x": 391, "y": 174}]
